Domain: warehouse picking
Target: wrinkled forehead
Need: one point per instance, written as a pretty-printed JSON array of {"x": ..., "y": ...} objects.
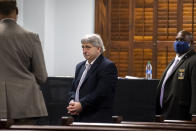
[{"x": 87, "y": 45}]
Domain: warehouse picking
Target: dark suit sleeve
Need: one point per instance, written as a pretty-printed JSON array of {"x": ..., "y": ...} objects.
[
  {"x": 38, "y": 63},
  {"x": 72, "y": 92},
  {"x": 73, "y": 89},
  {"x": 157, "y": 107},
  {"x": 193, "y": 86},
  {"x": 105, "y": 86}
]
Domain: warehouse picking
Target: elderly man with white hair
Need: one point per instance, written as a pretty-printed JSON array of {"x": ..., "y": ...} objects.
[{"x": 93, "y": 90}]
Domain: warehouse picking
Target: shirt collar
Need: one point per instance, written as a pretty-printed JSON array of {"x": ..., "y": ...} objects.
[
  {"x": 7, "y": 19},
  {"x": 87, "y": 64},
  {"x": 180, "y": 57}
]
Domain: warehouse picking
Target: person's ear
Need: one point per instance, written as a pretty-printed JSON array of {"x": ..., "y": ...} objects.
[{"x": 99, "y": 49}]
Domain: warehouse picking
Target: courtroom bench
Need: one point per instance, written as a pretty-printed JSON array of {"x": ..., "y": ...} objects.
[
  {"x": 131, "y": 126},
  {"x": 135, "y": 126},
  {"x": 141, "y": 125},
  {"x": 166, "y": 124}
]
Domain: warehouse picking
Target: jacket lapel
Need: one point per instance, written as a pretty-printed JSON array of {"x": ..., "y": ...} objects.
[
  {"x": 93, "y": 67},
  {"x": 81, "y": 70},
  {"x": 164, "y": 74},
  {"x": 181, "y": 61},
  {"x": 161, "y": 81},
  {"x": 191, "y": 52},
  {"x": 170, "y": 94}
]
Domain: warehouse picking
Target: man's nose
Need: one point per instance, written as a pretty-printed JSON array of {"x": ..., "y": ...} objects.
[{"x": 84, "y": 50}]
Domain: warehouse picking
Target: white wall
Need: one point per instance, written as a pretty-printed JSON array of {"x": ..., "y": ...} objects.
[
  {"x": 20, "y": 8},
  {"x": 73, "y": 19},
  {"x": 33, "y": 17},
  {"x": 60, "y": 25},
  {"x": 49, "y": 43}
]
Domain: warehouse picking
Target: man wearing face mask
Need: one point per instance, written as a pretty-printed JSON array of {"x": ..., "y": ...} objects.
[{"x": 176, "y": 92}]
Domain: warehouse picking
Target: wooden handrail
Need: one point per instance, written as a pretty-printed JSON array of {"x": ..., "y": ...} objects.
[
  {"x": 179, "y": 121},
  {"x": 67, "y": 120},
  {"x": 5, "y": 123},
  {"x": 159, "y": 118},
  {"x": 117, "y": 119},
  {"x": 132, "y": 126},
  {"x": 139, "y": 125}
]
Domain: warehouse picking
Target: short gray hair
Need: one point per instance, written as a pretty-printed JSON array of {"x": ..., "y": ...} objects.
[{"x": 95, "y": 40}]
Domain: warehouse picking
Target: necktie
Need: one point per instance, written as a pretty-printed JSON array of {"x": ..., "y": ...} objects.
[
  {"x": 169, "y": 72},
  {"x": 81, "y": 81}
]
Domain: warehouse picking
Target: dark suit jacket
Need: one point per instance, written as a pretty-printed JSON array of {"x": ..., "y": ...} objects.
[
  {"x": 97, "y": 91},
  {"x": 179, "y": 100}
]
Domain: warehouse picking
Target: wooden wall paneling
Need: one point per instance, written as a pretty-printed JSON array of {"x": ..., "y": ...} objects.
[
  {"x": 141, "y": 57},
  {"x": 165, "y": 54},
  {"x": 161, "y": 60},
  {"x": 167, "y": 28},
  {"x": 115, "y": 19},
  {"x": 120, "y": 57},
  {"x": 109, "y": 27},
  {"x": 189, "y": 16},
  {"x": 119, "y": 41},
  {"x": 101, "y": 22},
  {"x": 120, "y": 20},
  {"x": 131, "y": 34},
  {"x": 143, "y": 36},
  {"x": 96, "y": 16},
  {"x": 167, "y": 20},
  {"x": 142, "y": 30},
  {"x": 154, "y": 51},
  {"x": 194, "y": 19}
]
